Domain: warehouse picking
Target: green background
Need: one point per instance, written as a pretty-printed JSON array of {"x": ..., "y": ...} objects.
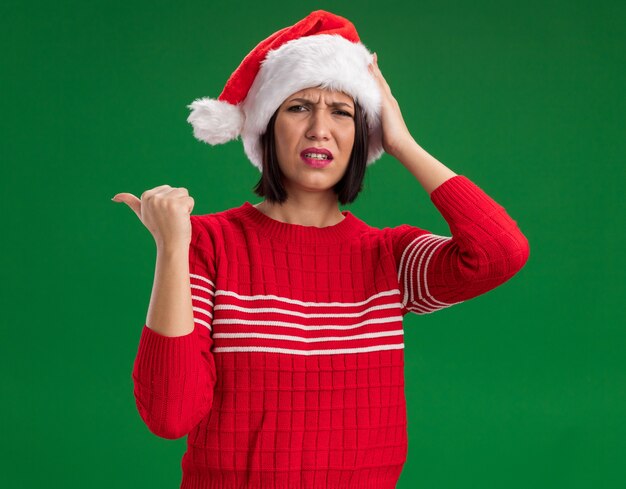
[{"x": 524, "y": 386}]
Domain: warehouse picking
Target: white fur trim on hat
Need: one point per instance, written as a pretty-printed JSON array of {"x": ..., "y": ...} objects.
[
  {"x": 326, "y": 60},
  {"x": 214, "y": 121}
]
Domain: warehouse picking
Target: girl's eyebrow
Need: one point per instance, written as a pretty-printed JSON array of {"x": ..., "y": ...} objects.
[{"x": 333, "y": 104}]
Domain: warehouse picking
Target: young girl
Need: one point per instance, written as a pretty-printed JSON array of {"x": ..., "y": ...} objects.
[{"x": 274, "y": 336}]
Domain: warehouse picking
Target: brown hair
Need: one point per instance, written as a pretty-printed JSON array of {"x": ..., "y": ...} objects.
[{"x": 270, "y": 184}]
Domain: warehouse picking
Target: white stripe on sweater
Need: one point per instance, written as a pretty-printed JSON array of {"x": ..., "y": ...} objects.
[
  {"x": 307, "y": 352},
  {"x": 308, "y": 340},
  {"x": 286, "y": 311},
  {"x": 421, "y": 274},
  {"x": 200, "y": 277},
  {"x": 257, "y": 322},
  {"x": 303, "y": 303},
  {"x": 203, "y": 289},
  {"x": 422, "y": 247},
  {"x": 279, "y": 310}
]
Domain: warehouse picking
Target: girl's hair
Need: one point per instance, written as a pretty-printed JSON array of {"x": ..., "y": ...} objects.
[{"x": 270, "y": 184}]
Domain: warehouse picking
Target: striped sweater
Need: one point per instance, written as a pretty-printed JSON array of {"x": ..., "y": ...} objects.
[{"x": 294, "y": 374}]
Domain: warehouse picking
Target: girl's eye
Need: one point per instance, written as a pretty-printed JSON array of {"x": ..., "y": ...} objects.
[{"x": 296, "y": 107}]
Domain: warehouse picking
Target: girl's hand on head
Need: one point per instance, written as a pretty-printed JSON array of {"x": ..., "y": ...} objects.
[
  {"x": 165, "y": 212},
  {"x": 395, "y": 132}
]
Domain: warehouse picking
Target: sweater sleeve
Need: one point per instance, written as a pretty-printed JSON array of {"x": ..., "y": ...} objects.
[
  {"x": 485, "y": 250},
  {"x": 174, "y": 376}
]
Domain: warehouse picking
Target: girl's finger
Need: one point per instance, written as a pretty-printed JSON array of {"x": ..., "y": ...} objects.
[{"x": 129, "y": 199}]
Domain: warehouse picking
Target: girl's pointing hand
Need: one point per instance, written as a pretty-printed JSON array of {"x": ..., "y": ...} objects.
[{"x": 165, "y": 212}]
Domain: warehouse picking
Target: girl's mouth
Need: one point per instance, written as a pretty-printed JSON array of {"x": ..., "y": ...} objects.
[
  {"x": 316, "y": 162},
  {"x": 316, "y": 157}
]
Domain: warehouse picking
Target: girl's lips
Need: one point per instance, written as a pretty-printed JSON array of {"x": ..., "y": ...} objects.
[
  {"x": 314, "y": 149},
  {"x": 316, "y": 163}
]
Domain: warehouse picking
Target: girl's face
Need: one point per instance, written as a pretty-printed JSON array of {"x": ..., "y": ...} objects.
[{"x": 320, "y": 119}]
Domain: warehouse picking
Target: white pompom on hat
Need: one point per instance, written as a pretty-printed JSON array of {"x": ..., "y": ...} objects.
[{"x": 286, "y": 62}]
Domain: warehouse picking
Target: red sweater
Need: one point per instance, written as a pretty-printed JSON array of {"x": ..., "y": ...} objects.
[{"x": 294, "y": 374}]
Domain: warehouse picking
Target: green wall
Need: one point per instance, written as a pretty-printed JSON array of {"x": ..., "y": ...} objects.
[{"x": 522, "y": 387}]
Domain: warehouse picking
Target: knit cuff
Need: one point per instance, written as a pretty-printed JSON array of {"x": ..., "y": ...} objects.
[
  {"x": 160, "y": 355},
  {"x": 460, "y": 200}
]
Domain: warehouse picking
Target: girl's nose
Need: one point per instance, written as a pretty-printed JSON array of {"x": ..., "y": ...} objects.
[{"x": 318, "y": 128}]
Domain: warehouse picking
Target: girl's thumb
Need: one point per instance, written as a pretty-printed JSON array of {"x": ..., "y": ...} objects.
[{"x": 129, "y": 199}]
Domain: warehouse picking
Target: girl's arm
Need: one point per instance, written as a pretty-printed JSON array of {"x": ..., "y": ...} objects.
[
  {"x": 174, "y": 371},
  {"x": 170, "y": 310},
  {"x": 429, "y": 171}
]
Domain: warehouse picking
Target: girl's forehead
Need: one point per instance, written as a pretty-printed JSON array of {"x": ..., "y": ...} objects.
[{"x": 319, "y": 93}]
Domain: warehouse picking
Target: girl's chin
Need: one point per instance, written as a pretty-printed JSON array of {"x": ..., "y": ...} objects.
[{"x": 312, "y": 184}]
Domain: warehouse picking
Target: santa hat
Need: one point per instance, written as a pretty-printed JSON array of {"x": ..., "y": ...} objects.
[{"x": 322, "y": 49}]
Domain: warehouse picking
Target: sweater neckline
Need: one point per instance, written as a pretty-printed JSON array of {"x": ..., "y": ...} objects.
[{"x": 284, "y": 231}]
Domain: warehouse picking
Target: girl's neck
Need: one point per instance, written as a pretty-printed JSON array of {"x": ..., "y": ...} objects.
[{"x": 291, "y": 214}]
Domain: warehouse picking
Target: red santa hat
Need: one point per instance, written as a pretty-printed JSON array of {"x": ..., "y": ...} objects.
[{"x": 322, "y": 49}]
